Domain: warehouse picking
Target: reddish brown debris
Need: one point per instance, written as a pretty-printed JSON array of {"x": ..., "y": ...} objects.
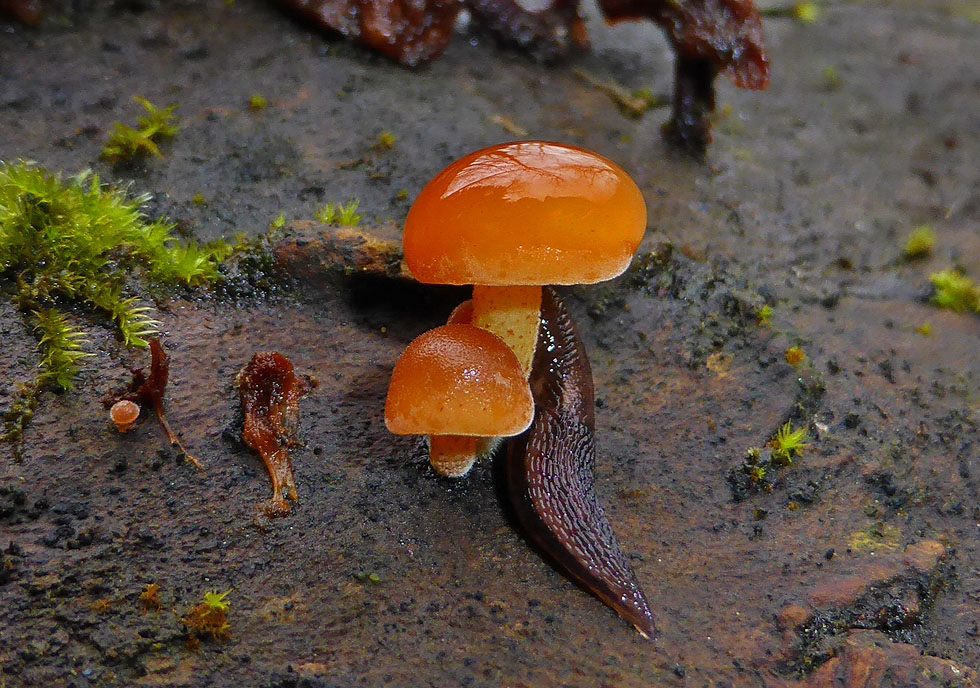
[
  {"x": 411, "y": 31},
  {"x": 312, "y": 252},
  {"x": 727, "y": 33},
  {"x": 547, "y": 33},
  {"x": 270, "y": 392},
  {"x": 149, "y": 390},
  {"x": 869, "y": 658},
  {"x": 25, "y": 11},
  {"x": 708, "y": 36}
]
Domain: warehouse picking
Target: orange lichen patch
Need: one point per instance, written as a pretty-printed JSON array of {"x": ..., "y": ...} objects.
[
  {"x": 528, "y": 213},
  {"x": 511, "y": 313},
  {"x": 458, "y": 380},
  {"x": 270, "y": 392},
  {"x": 124, "y": 414}
]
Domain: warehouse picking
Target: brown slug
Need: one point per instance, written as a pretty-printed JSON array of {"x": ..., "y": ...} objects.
[{"x": 550, "y": 472}]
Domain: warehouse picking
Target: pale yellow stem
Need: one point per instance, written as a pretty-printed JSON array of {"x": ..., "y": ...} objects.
[
  {"x": 453, "y": 456},
  {"x": 513, "y": 314}
]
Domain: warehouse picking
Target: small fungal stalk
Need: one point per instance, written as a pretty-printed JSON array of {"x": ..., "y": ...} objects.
[{"x": 513, "y": 314}]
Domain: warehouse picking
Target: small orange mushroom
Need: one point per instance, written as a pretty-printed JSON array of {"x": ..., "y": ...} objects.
[
  {"x": 458, "y": 384},
  {"x": 124, "y": 415},
  {"x": 511, "y": 218}
]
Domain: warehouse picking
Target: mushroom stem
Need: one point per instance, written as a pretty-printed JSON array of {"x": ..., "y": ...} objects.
[
  {"x": 452, "y": 456},
  {"x": 513, "y": 314}
]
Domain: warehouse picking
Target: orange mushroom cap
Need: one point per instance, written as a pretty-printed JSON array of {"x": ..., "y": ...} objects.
[
  {"x": 124, "y": 415},
  {"x": 458, "y": 380},
  {"x": 525, "y": 213}
]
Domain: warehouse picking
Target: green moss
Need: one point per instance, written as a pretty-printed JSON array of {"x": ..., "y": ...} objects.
[
  {"x": 66, "y": 243},
  {"x": 257, "y": 102},
  {"x": 789, "y": 443},
  {"x": 955, "y": 291},
  {"x": 216, "y": 601},
  {"x": 806, "y": 12},
  {"x": 920, "y": 242},
  {"x": 876, "y": 537},
  {"x": 126, "y": 142},
  {"x": 386, "y": 140},
  {"x": 339, "y": 214},
  {"x": 832, "y": 80}
]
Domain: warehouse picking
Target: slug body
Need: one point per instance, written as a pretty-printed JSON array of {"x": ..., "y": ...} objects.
[{"x": 550, "y": 472}]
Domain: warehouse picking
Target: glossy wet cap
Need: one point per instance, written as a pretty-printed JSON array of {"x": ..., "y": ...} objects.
[
  {"x": 458, "y": 380},
  {"x": 124, "y": 415},
  {"x": 525, "y": 213}
]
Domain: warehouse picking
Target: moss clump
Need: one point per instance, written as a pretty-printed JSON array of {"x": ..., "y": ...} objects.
[
  {"x": 795, "y": 356},
  {"x": 955, "y": 291},
  {"x": 877, "y": 537},
  {"x": 258, "y": 102},
  {"x": 339, "y": 214},
  {"x": 126, "y": 142},
  {"x": 386, "y": 140},
  {"x": 788, "y": 443},
  {"x": 210, "y": 616},
  {"x": 920, "y": 242},
  {"x": 77, "y": 242}
]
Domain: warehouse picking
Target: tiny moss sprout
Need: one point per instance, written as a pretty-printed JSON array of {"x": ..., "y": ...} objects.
[
  {"x": 75, "y": 242},
  {"x": 257, "y": 102},
  {"x": 279, "y": 222},
  {"x": 806, "y": 12},
  {"x": 210, "y": 616},
  {"x": 920, "y": 242},
  {"x": 156, "y": 125},
  {"x": 832, "y": 79},
  {"x": 765, "y": 315},
  {"x": 925, "y": 329},
  {"x": 149, "y": 599},
  {"x": 789, "y": 443},
  {"x": 955, "y": 291},
  {"x": 386, "y": 140},
  {"x": 795, "y": 356},
  {"x": 339, "y": 214}
]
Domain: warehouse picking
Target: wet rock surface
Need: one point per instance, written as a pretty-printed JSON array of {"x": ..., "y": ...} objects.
[{"x": 856, "y": 565}]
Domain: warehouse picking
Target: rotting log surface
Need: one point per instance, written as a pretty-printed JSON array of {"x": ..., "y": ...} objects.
[{"x": 804, "y": 203}]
